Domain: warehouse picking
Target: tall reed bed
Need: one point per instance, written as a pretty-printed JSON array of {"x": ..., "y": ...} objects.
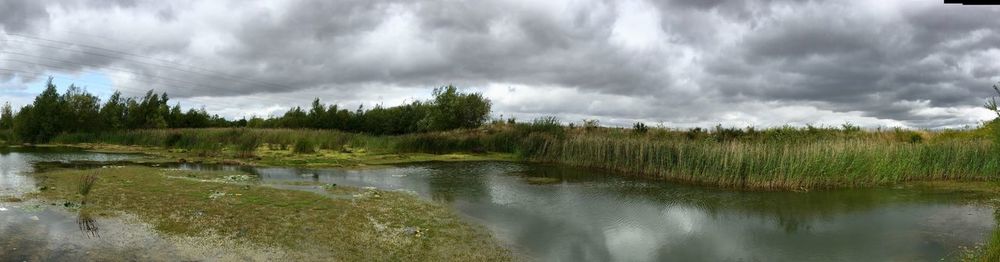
[{"x": 791, "y": 165}]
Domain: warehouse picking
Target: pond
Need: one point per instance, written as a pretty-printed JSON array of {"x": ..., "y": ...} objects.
[{"x": 556, "y": 213}]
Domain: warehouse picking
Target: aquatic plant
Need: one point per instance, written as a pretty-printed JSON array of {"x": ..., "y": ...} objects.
[{"x": 87, "y": 182}]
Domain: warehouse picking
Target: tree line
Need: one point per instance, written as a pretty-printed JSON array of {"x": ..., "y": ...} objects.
[{"x": 78, "y": 111}]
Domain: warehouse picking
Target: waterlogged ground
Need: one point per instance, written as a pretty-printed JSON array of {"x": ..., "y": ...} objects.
[
  {"x": 33, "y": 232},
  {"x": 36, "y": 231},
  {"x": 555, "y": 213}
]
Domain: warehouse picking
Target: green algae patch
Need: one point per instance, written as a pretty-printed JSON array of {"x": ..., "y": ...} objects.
[{"x": 371, "y": 225}]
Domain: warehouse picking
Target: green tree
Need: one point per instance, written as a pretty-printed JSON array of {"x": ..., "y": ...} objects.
[
  {"x": 295, "y": 118},
  {"x": 175, "y": 119},
  {"x": 43, "y": 119},
  {"x": 317, "y": 115},
  {"x": 25, "y": 124},
  {"x": 452, "y": 109},
  {"x": 6, "y": 117},
  {"x": 82, "y": 111},
  {"x": 113, "y": 112}
]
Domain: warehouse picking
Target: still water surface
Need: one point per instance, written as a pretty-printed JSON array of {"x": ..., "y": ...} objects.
[
  {"x": 555, "y": 213},
  {"x": 586, "y": 215}
]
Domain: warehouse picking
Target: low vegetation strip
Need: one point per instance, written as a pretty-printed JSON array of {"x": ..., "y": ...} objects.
[
  {"x": 770, "y": 159},
  {"x": 369, "y": 225}
]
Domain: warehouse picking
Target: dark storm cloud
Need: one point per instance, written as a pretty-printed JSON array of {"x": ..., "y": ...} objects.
[
  {"x": 21, "y": 15},
  {"x": 850, "y": 61},
  {"x": 883, "y": 62},
  {"x": 464, "y": 46}
]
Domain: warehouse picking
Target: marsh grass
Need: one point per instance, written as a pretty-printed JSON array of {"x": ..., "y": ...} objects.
[
  {"x": 750, "y": 165},
  {"x": 991, "y": 250},
  {"x": 86, "y": 184}
]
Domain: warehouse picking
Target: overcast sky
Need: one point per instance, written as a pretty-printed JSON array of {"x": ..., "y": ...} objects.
[{"x": 682, "y": 63}]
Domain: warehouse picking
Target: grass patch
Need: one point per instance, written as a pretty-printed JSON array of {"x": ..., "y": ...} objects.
[{"x": 376, "y": 226}]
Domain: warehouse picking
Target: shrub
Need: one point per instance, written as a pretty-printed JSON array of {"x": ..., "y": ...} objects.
[
  {"x": 723, "y": 134},
  {"x": 548, "y": 125},
  {"x": 850, "y": 128},
  {"x": 304, "y": 146},
  {"x": 640, "y": 128},
  {"x": 591, "y": 124},
  {"x": 247, "y": 144},
  {"x": 908, "y": 136},
  {"x": 172, "y": 139},
  {"x": 695, "y": 134}
]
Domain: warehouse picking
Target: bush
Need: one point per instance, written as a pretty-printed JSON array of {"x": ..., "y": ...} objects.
[
  {"x": 591, "y": 124},
  {"x": 547, "y": 125},
  {"x": 696, "y": 134},
  {"x": 908, "y": 136},
  {"x": 725, "y": 134},
  {"x": 304, "y": 146},
  {"x": 247, "y": 144},
  {"x": 640, "y": 128},
  {"x": 172, "y": 139}
]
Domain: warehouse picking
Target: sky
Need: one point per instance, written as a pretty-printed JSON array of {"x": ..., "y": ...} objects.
[{"x": 676, "y": 63}]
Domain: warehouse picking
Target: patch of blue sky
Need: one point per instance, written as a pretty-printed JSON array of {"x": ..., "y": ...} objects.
[
  {"x": 19, "y": 93},
  {"x": 96, "y": 83}
]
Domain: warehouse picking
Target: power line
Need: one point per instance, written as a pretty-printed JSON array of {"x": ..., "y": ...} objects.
[
  {"x": 143, "y": 56},
  {"x": 259, "y": 100},
  {"x": 205, "y": 72},
  {"x": 102, "y": 67},
  {"x": 164, "y": 85},
  {"x": 73, "y": 80},
  {"x": 40, "y": 74},
  {"x": 139, "y": 84}
]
